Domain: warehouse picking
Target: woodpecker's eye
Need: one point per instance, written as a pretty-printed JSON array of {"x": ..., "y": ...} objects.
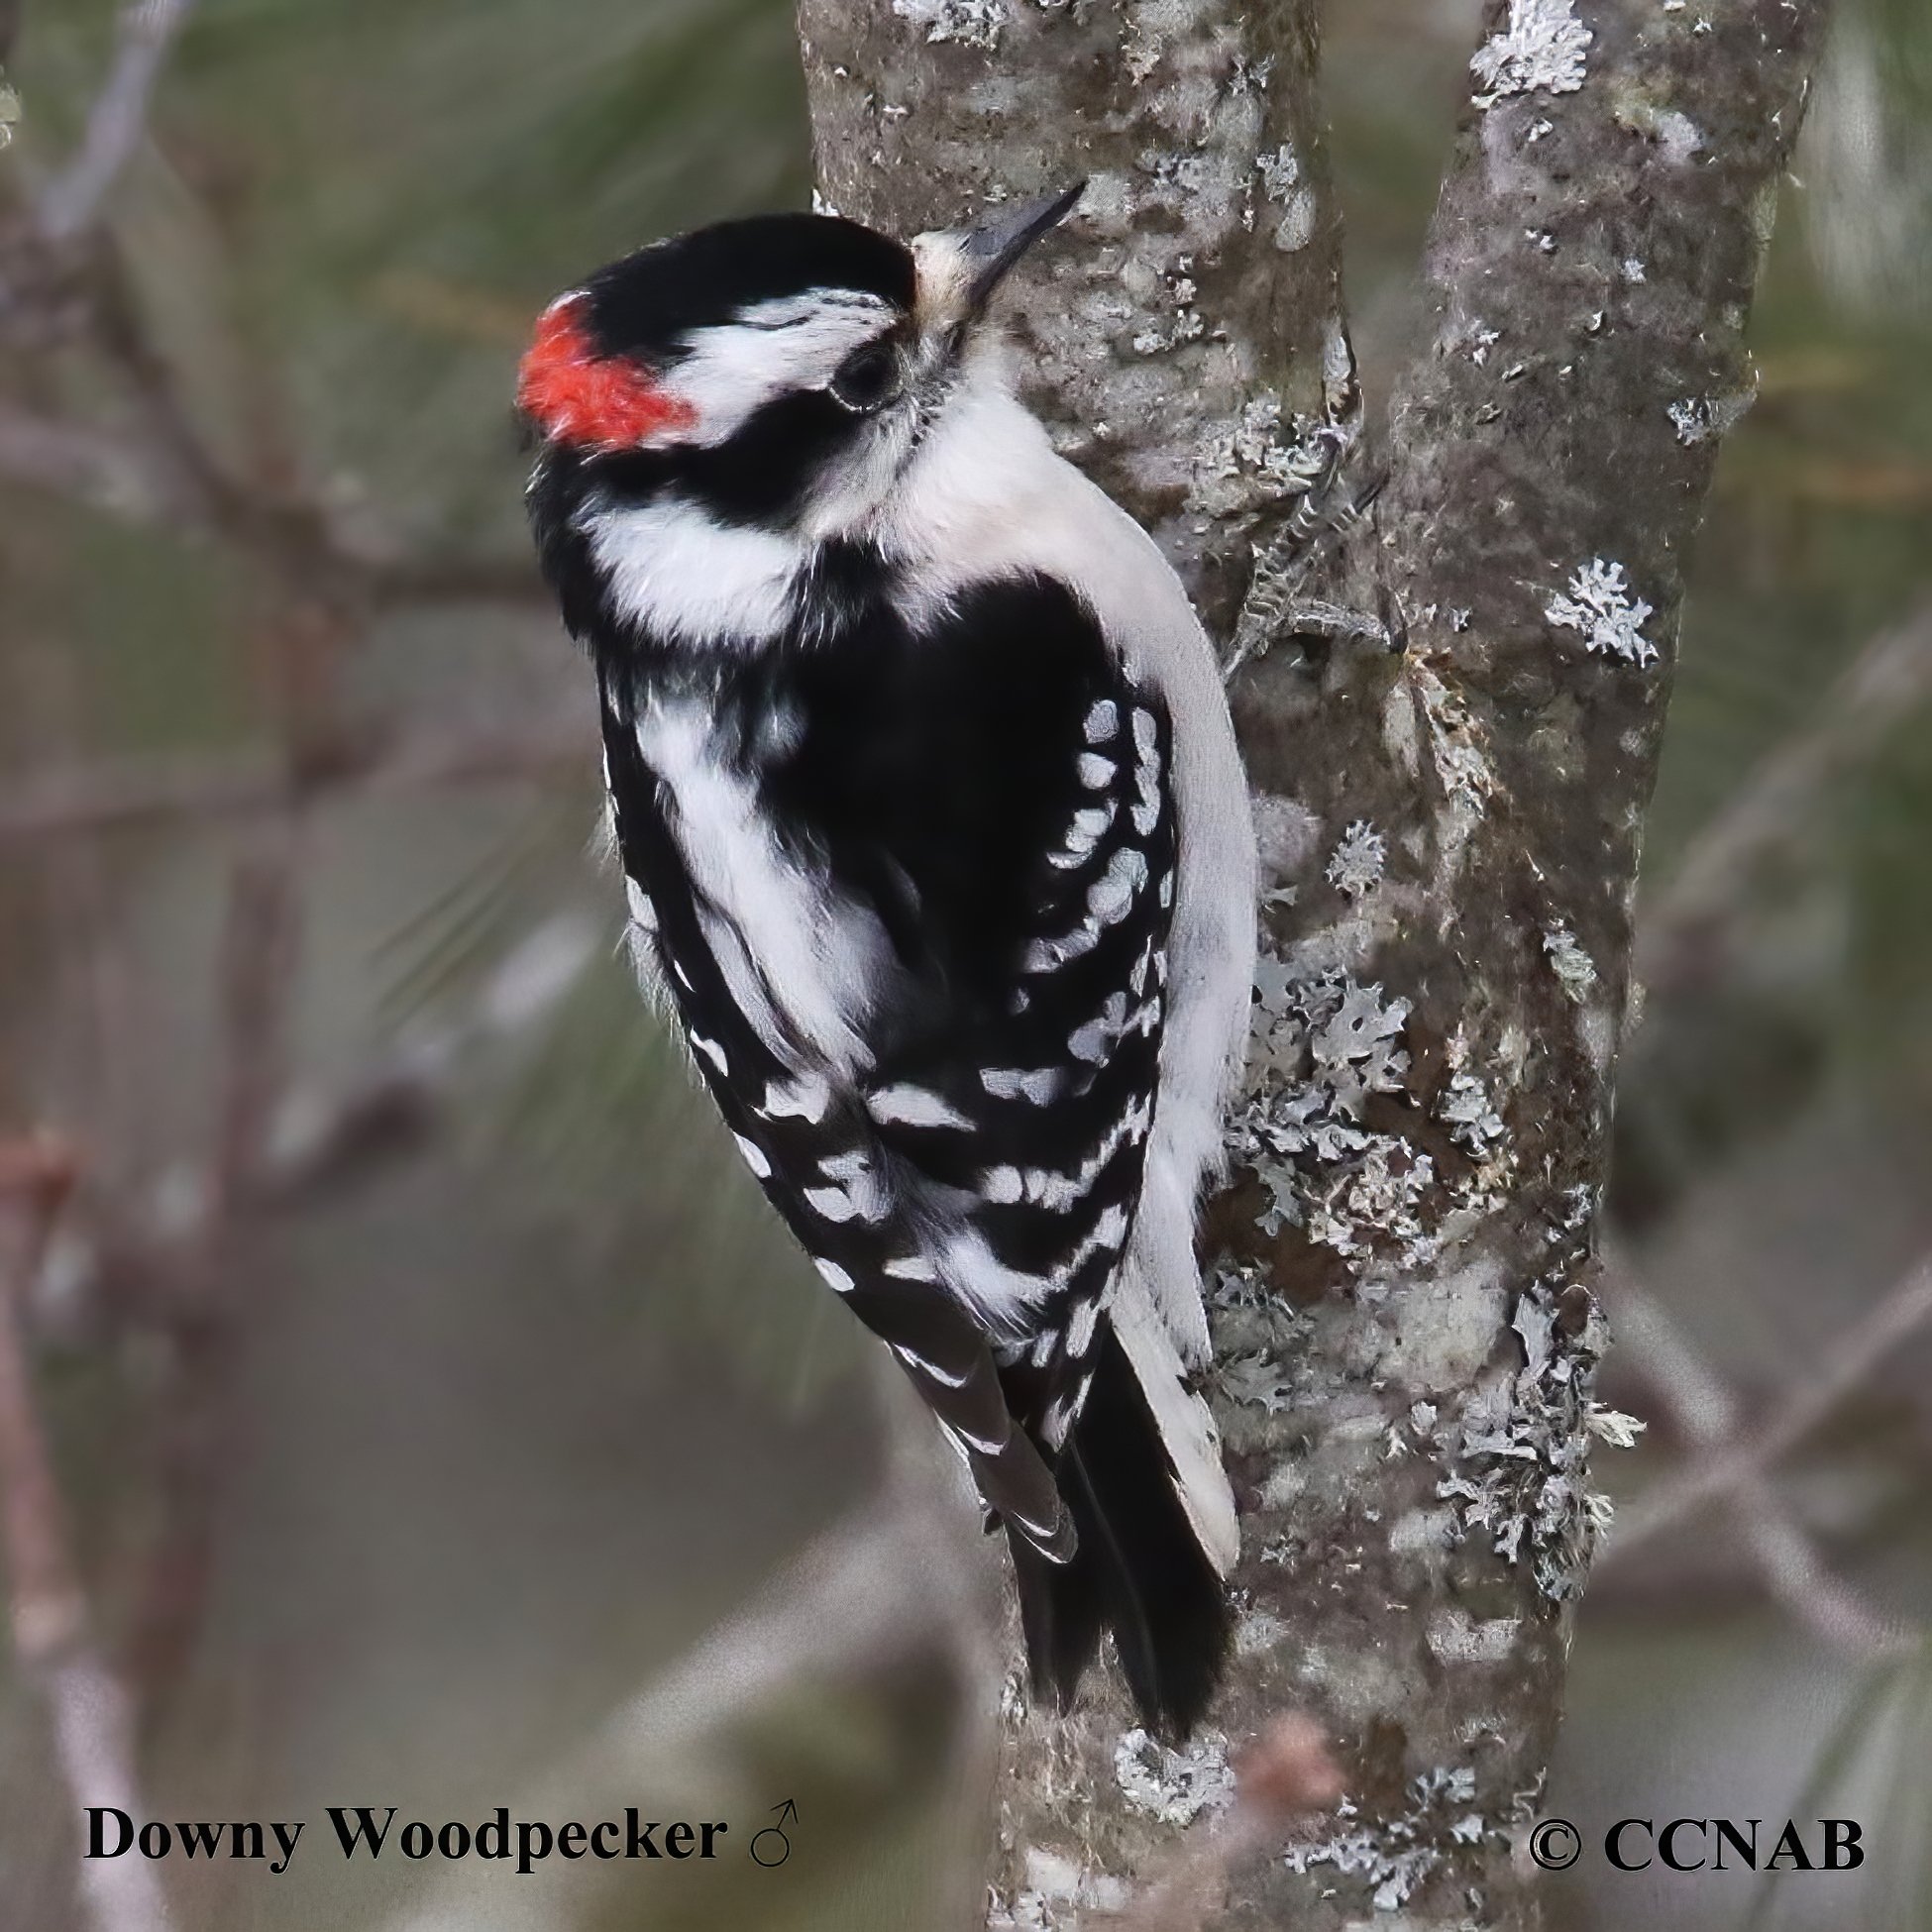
[{"x": 869, "y": 378}]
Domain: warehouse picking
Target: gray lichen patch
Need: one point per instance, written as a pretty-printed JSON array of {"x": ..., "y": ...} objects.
[
  {"x": 1517, "y": 1449},
  {"x": 1360, "y": 857},
  {"x": 1443, "y": 1328},
  {"x": 1541, "y": 47},
  {"x": 1322, "y": 1043},
  {"x": 1601, "y": 611},
  {"x": 1575, "y": 969},
  {"x": 1464, "y": 770},
  {"x": 1700, "y": 419},
  {"x": 1464, "y": 1106},
  {"x": 1286, "y": 835},
  {"x": 1390, "y": 1856},
  {"x": 1283, "y": 186},
  {"x": 972, "y": 23},
  {"x": 1175, "y": 1787},
  {"x": 1267, "y": 450},
  {"x": 1454, "y": 1637}
]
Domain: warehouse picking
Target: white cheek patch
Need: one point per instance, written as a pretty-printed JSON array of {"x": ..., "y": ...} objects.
[
  {"x": 794, "y": 343},
  {"x": 675, "y": 572}
]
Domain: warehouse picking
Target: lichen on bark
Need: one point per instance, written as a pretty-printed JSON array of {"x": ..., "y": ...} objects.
[{"x": 1450, "y": 786}]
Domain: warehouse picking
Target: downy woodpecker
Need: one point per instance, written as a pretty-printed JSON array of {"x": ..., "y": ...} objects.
[{"x": 936, "y": 840}]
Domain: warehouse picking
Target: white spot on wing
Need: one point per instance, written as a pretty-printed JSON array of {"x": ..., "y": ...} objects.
[
  {"x": 1037, "y": 1084},
  {"x": 1111, "y": 896},
  {"x": 833, "y": 1202},
  {"x": 904, "y": 1105},
  {"x": 1043, "y": 955},
  {"x": 857, "y": 1175},
  {"x": 803, "y": 1099}
]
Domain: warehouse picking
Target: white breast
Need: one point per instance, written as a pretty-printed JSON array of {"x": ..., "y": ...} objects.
[{"x": 986, "y": 496}]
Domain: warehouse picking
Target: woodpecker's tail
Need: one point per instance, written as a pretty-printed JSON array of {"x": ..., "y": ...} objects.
[{"x": 1154, "y": 1541}]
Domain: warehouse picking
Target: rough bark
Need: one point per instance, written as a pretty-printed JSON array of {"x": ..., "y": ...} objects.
[
  {"x": 1198, "y": 289},
  {"x": 1453, "y": 718}
]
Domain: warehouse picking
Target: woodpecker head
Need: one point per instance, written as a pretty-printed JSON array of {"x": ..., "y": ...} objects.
[{"x": 776, "y": 372}]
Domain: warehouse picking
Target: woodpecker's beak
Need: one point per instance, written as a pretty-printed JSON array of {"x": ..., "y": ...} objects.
[
  {"x": 991, "y": 250},
  {"x": 960, "y": 268}
]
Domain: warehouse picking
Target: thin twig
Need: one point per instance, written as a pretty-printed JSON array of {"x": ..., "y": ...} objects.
[
  {"x": 1706, "y": 1414},
  {"x": 1890, "y": 680},
  {"x": 260, "y": 967},
  {"x": 318, "y": 1134},
  {"x": 258, "y": 980},
  {"x": 94, "y": 939},
  {"x": 1865, "y": 1348},
  {"x": 118, "y": 120},
  {"x": 51, "y": 1624}
]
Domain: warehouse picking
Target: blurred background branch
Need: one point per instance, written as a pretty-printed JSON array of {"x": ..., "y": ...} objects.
[
  {"x": 87, "y": 1705},
  {"x": 1695, "y": 1402},
  {"x": 117, "y": 124}
]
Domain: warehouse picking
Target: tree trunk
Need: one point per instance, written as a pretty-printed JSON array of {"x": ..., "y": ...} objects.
[{"x": 1451, "y": 711}]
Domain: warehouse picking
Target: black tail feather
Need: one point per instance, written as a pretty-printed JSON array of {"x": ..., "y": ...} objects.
[{"x": 1140, "y": 1569}]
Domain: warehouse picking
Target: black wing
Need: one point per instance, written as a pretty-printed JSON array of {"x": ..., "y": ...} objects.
[{"x": 987, "y": 798}]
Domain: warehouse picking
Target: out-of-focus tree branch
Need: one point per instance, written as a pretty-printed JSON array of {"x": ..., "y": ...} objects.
[
  {"x": 1685, "y": 933},
  {"x": 153, "y": 479},
  {"x": 736, "y": 1725},
  {"x": 87, "y": 1705},
  {"x": 132, "y": 792},
  {"x": 118, "y": 121},
  {"x": 319, "y": 1135},
  {"x": 1706, "y": 1414},
  {"x": 93, "y": 466},
  {"x": 140, "y": 452},
  {"x": 1863, "y": 1347}
]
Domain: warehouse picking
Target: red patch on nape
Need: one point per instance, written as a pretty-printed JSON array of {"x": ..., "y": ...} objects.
[{"x": 598, "y": 402}]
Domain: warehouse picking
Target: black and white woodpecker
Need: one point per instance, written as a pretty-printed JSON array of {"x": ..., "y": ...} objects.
[{"x": 937, "y": 842}]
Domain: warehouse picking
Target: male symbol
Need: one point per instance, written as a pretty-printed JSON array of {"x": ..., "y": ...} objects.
[{"x": 787, "y": 1813}]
